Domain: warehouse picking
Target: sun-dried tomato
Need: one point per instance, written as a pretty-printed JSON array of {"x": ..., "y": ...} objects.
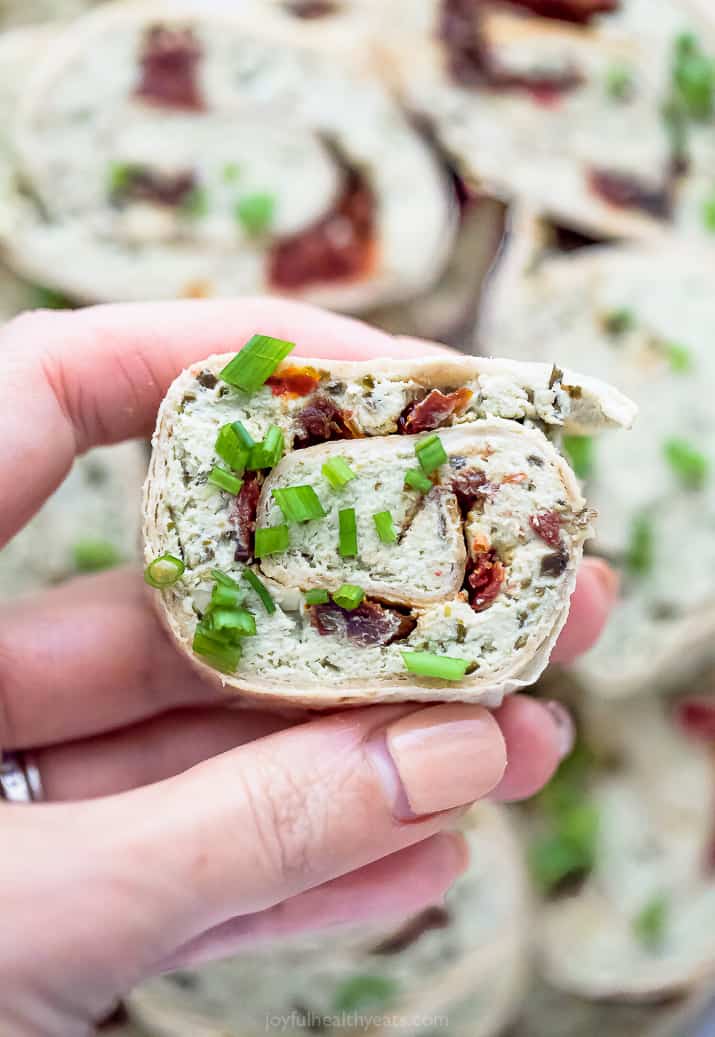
[
  {"x": 485, "y": 575},
  {"x": 368, "y": 625},
  {"x": 547, "y": 525},
  {"x": 243, "y": 516},
  {"x": 433, "y": 411}
]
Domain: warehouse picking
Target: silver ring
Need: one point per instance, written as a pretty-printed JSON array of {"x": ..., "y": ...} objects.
[{"x": 20, "y": 780}]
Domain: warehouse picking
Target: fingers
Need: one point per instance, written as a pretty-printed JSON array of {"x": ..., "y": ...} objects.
[
  {"x": 97, "y": 375},
  {"x": 392, "y": 888},
  {"x": 538, "y": 735},
  {"x": 299, "y": 808},
  {"x": 591, "y": 603}
]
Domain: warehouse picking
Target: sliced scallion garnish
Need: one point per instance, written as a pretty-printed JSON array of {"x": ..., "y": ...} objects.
[
  {"x": 268, "y": 452},
  {"x": 708, "y": 212},
  {"x": 223, "y": 596},
  {"x": 316, "y": 597},
  {"x": 233, "y": 622},
  {"x": 222, "y": 655},
  {"x": 256, "y": 362},
  {"x": 619, "y": 82},
  {"x": 164, "y": 570},
  {"x": 641, "y": 545},
  {"x": 91, "y": 556},
  {"x": 693, "y": 77},
  {"x": 271, "y": 540},
  {"x": 338, "y": 472},
  {"x": 650, "y": 923},
  {"x": 679, "y": 357},
  {"x": 430, "y": 453},
  {"x": 688, "y": 463},
  {"x": 224, "y": 479},
  {"x": 243, "y": 434},
  {"x": 255, "y": 213},
  {"x": 261, "y": 590},
  {"x": 384, "y": 526},
  {"x": 299, "y": 503},
  {"x": 231, "y": 449},
  {"x": 347, "y": 544},
  {"x": 579, "y": 450},
  {"x": 619, "y": 321},
  {"x": 417, "y": 480},
  {"x": 427, "y": 664},
  {"x": 348, "y": 596}
]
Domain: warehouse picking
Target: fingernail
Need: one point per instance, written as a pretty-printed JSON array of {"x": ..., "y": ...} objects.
[
  {"x": 438, "y": 758},
  {"x": 564, "y": 725},
  {"x": 606, "y": 577}
]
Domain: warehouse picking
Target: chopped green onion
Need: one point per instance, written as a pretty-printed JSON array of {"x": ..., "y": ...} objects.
[
  {"x": 225, "y": 480},
  {"x": 430, "y": 453},
  {"x": 650, "y": 923},
  {"x": 677, "y": 128},
  {"x": 243, "y": 434},
  {"x": 619, "y": 82},
  {"x": 194, "y": 204},
  {"x": 679, "y": 357},
  {"x": 120, "y": 178},
  {"x": 268, "y": 452},
  {"x": 362, "y": 994},
  {"x": 231, "y": 172},
  {"x": 569, "y": 850},
  {"x": 261, "y": 590},
  {"x": 231, "y": 449},
  {"x": 224, "y": 597},
  {"x": 256, "y": 362},
  {"x": 232, "y": 622},
  {"x": 164, "y": 570},
  {"x": 348, "y": 596},
  {"x": 688, "y": 463},
  {"x": 91, "y": 556},
  {"x": 580, "y": 450},
  {"x": 338, "y": 472},
  {"x": 316, "y": 597},
  {"x": 348, "y": 533},
  {"x": 709, "y": 213},
  {"x": 299, "y": 503},
  {"x": 640, "y": 550},
  {"x": 417, "y": 480},
  {"x": 427, "y": 664},
  {"x": 222, "y": 655},
  {"x": 271, "y": 540},
  {"x": 255, "y": 213},
  {"x": 693, "y": 77},
  {"x": 384, "y": 527},
  {"x": 617, "y": 322},
  {"x": 44, "y": 298},
  {"x": 223, "y": 578}
]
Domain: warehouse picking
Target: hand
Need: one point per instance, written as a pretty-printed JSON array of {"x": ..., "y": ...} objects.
[{"x": 188, "y": 828}]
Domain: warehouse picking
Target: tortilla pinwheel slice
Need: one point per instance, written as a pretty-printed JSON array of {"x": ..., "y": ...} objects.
[
  {"x": 196, "y": 150},
  {"x": 465, "y": 961},
  {"x": 644, "y": 321},
  {"x": 593, "y": 121},
  {"x": 385, "y": 531}
]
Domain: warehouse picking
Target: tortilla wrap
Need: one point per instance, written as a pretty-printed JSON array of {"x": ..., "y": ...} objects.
[
  {"x": 504, "y": 485},
  {"x": 240, "y": 173}
]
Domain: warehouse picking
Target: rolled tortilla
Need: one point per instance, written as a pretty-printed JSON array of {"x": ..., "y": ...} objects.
[
  {"x": 646, "y": 322},
  {"x": 464, "y": 961},
  {"x": 228, "y": 152},
  {"x": 497, "y": 603},
  {"x": 566, "y": 116}
]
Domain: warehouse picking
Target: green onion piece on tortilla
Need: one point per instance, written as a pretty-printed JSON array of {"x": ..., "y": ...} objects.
[
  {"x": 299, "y": 503},
  {"x": 347, "y": 544},
  {"x": 243, "y": 434},
  {"x": 338, "y": 472},
  {"x": 255, "y": 213},
  {"x": 679, "y": 357},
  {"x": 640, "y": 550},
  {"x": 195, "y": 204},
  {"x": 316, "y": 597},
  {"x": 222, "y": 655},
  {"x": 271, "y": 540},
  {"x": 619, "y": 82},
  {"x": 163, "y": 571},
  {"x": 268, "y": 452},
  {"x": 427, "y": 664},
  {"x": 417, "y": 480},
  {"x": 384, "y": 526},
  {"x": 430, "y": 453},
  {"x": 364, "y": 993},
  {"x": 231, "y": 172},
  {"x": 619, "y": 321},
  {"x": 222, "y": 478},
  {"x": 649, "y": 924},
  {"x": 708, "y": 211},
  {"x": 233, "y": 622},
  {"x": 261, "y": 590},
  {"x": 227, "y": 597},
  {"x": 579, "y": 450},
  {"x": 256, "y": 362},
  {"x": 693, "y": 77},
  {"x": 231, "y": 449},
  {"x": 688, "y": 463},
  {"x": 348, "y": 596},
  {"x": 91, "y": 556},
  {"x": 44, "y": 298}
]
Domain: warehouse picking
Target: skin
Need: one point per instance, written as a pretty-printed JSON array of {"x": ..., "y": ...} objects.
[{"x": 177, "y": 829}]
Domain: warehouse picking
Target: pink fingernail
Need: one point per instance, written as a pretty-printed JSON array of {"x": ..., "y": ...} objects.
[
  {"x": 564, "y": 725},
  {"x": 438, "y": 758}
]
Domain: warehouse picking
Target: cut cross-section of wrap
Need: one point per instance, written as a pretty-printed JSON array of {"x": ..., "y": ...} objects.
[
  {"x": 419, "y": 538},
  {"x": 193, "y": 150}
]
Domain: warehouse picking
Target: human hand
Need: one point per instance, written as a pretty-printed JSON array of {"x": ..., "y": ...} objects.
[{"x": 178, "y": 829}]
